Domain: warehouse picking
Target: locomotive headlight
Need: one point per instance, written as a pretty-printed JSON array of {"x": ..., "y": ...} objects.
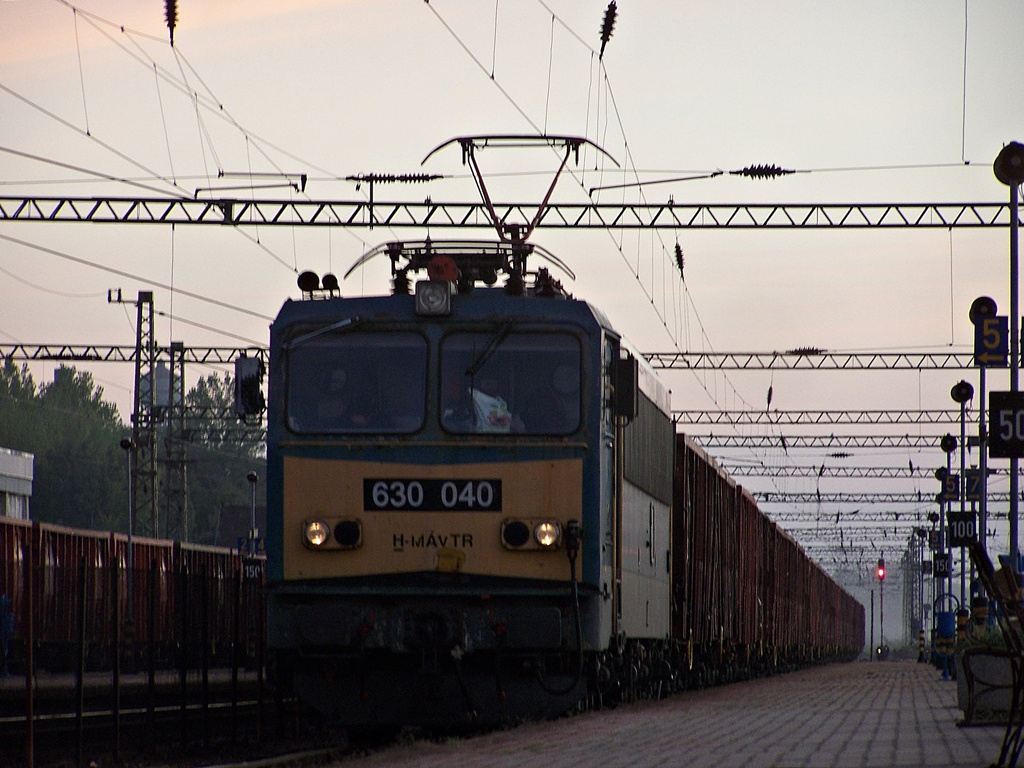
[
  {"x": 348, "y": 534},
  {"x": 531, "y": 535},
  {"x": 433, "y": 297},
  {"x": 547, "y": 533},
  {"x": 316, "y": 533},
  {"x": 515, "y": 534}
]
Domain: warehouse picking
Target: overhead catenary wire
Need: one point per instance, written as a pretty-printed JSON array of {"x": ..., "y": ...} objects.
[
  {"x": 163, "y": 121},
  {"x": 483, "y": 68},
  {"x": 695, "y": 252},
  {"x": 209, "y": 103},
  {"x": 210, "y": 328},
  {"x": 139, "y": 278},
  {"x": 628, "y": 163},
  {"x": 89, "y": 136},
  {"x": 47, "y": 289},
  {"x": 213, "y": 104},
  {"x": 79, "y": 169},
  {"x": 81, "y": 74},
  {"x": 551, "y": 57},
  {"x": 963, "y": 113}
]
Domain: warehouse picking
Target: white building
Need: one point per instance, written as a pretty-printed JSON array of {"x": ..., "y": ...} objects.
[{"x": 16, "y": 469}]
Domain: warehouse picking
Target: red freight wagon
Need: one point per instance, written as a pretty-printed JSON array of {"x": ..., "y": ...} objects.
[
  {"x": 84, "y": 586},
  {"x": 747, "y": 598}
]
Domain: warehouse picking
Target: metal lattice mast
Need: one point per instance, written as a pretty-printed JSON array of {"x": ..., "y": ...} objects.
[
  {"x": 144, "y": 486},
  {"x": 176, "y": 489}
]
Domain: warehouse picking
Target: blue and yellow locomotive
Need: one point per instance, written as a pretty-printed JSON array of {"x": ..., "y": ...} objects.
[{"x": 469, "y": 493}]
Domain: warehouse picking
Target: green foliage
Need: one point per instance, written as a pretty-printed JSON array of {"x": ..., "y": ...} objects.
[
  {"x": 215, "y": 427},
  {"x": 81, "y": 477},
  {"x": 80, "y": 473},
  {"x": 19, "y": 407},
  {"x": 222, "y": 451}
]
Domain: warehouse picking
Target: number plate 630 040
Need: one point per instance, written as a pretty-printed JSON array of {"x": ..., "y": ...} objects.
[{"x": 431, "y": 495}]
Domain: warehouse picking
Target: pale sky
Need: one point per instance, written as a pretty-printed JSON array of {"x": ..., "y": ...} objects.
[{"x": 906, "y": 101}]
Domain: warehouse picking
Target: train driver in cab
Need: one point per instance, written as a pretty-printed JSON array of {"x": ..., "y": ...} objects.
[
  {"x": 476, "y": 405},
  {"x": 491, "y": 410}
]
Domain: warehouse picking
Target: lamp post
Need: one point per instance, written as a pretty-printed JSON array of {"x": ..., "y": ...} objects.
[
  {"x": 982, "y": 309},
  {"x": 962, "y": 392},
  {"x": 948, "y": 445},
  {"x": 921, "y": 534},
  {"x": 881, "y": 608},
  {"x": 1009, "y": 169}
]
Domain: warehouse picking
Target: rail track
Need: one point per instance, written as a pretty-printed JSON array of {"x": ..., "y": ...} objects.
[{"x": 140, "y": 723}]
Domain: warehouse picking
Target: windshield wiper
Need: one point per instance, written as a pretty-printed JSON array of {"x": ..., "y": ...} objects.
[
  {"x": 346, "y": 323},
  {"x": 492, "y": 346}
]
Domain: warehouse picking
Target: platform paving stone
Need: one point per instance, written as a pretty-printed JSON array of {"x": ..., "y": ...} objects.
[{"x": 857, "y": 715}]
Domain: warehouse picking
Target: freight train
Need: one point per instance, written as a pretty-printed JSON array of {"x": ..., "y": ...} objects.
[
  {"x": 74, "y": 596},
  {"x": 479, "y": 509}
]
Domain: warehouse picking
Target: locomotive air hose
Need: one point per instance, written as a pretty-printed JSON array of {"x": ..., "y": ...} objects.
[{"x": 572, "y": 551}]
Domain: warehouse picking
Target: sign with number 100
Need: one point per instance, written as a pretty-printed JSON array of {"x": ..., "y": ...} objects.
[
  {"x": 1006, "y": 416},
  {"x": 963, "y": 528}
]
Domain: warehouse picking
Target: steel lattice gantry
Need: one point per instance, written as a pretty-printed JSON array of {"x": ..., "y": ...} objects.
[
  {"x": 890, "y": 518},
  {"x": 102, "y": 353},
  {"x": 173, "y": 356},
  {"x": 841, "y": 416},
  {"x": 879, "y": 497},
  {"x": 454, "y": 215},
  {"x": 836, "y": 442},
  {"x": 824, "y": 470},
  {"x": 817, "y": 361},
  {"x": 814, "y": 360}
]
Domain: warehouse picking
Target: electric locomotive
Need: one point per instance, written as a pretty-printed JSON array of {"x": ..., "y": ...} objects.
[{"x": 469, "y": 492}]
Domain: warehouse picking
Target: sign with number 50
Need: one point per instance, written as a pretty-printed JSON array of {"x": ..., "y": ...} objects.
[{"x": 1006, "y": 416}]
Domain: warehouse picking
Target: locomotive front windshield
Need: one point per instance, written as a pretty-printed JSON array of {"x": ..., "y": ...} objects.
[
  {"x": 510, "y": 382},
  {"x": 500, "y": 382},
  {"x": 358, "y": 382}
]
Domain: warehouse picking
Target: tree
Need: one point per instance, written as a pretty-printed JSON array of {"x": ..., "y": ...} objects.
[
  {"x": 217, "y": 428},
  {"x": 19, "y": 406},
  {"x": 80, "y": 478},
  {"x": 222, "y": 451}
]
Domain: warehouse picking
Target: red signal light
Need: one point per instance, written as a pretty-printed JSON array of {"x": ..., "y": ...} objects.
[{"x": 881, "y": 569}]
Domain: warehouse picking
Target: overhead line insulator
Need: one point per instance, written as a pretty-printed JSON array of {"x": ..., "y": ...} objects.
[
  {"x": 762, "y": 172},
  {"x": 607, "y": 26},
  {"x": 171, "y": 15},
  {"x": 405, "y": 178}
]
